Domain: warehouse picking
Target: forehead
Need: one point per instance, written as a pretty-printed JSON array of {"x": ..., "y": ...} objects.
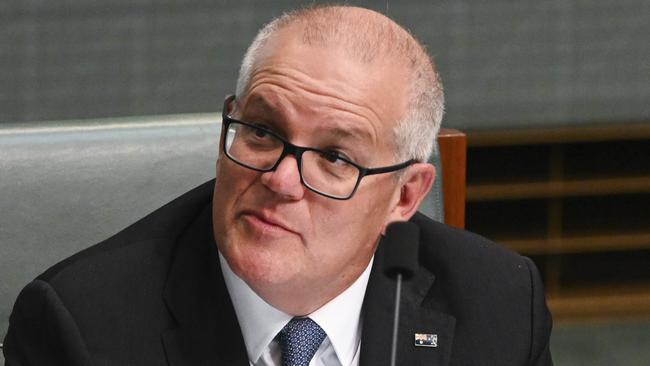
[{"x": 291, "y": 78}]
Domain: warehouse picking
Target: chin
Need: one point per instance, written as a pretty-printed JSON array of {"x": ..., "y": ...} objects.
[{"x": 259, "y": 265}]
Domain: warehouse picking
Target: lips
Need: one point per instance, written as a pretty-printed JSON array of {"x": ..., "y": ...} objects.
[{"x": 266, "y": 221}]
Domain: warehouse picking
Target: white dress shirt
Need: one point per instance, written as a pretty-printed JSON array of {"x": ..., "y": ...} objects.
[{"x": 260, "y": 323}]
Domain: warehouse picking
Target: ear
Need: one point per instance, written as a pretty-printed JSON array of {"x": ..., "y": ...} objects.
[
  {"x": 228, "y": 106},
  {"x": 415, "y": 183},
  {"x": 229, "y": 103}
]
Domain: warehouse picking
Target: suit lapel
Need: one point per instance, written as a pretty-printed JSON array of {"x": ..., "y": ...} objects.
[
  {"x": 207, "y": 331},
  {"x": 422, "y": 311}
]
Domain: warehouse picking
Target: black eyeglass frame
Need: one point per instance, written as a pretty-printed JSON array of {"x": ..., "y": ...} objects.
[{"x": 297, "y": 151}]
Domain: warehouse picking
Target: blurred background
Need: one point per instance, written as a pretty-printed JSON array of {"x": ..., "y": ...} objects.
[{"x": 554, "y": 97}]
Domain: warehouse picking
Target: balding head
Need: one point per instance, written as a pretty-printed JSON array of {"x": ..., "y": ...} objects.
[{"x": 367, "y": 37}]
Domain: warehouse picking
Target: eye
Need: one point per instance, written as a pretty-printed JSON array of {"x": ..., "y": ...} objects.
[
  {"x": 334, "y": 156},
  {"x": 330, "y": 156},
  {"x": 260, "y": 133}
]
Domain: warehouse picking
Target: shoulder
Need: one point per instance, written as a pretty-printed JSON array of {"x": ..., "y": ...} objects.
[
  {"x": 109, "y": 295},
  {"x": 477, "y": 269},
  {"x": 450, "y": 249},
  {"x": 141, "y": 251},
  {"x": 489, "y": 289}
]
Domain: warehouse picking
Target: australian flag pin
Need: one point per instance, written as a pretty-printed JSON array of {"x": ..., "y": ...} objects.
[{"x": 426, "y": 340}]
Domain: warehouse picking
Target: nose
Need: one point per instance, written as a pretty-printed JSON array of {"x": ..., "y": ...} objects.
[{"x": 285, "y": 179}]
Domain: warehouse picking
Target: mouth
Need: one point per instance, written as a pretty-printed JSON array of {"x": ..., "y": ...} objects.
[{"x": 266, "y": 223}]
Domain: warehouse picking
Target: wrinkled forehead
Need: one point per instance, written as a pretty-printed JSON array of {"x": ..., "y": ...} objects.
[{"x": 382, "y": 82}]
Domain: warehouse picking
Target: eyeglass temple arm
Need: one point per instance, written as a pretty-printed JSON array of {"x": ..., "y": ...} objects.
[{"x": 388, "y": 169}]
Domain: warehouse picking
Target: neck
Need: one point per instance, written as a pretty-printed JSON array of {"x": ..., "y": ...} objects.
[{"x": 305, "y": 298}]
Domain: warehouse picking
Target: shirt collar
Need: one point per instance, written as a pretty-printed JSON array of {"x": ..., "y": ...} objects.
[
  {"x": 340, "y": 318},
  {"x": 260, "y": 322}
]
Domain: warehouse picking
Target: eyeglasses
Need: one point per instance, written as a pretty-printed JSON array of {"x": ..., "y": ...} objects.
[{"x": 322, "y": 171}]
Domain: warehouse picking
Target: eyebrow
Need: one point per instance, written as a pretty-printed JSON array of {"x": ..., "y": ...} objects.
[
  {"x": 348, "y": 133},
  {"x": 259, "y": 105}
]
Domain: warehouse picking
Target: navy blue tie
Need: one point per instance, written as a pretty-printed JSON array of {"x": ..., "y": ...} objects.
[{"x": 300, "y": 340}]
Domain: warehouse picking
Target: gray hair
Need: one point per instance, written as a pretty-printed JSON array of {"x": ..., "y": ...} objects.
[{"x": 415, "y": 133}]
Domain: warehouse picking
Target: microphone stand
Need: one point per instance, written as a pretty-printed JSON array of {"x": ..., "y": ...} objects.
[
  {"x": 400, "y": 263},
  {"x": 398, "y": 293}
]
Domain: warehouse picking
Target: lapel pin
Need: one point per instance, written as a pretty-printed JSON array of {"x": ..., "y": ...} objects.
[{"x": 426, "y": 340}]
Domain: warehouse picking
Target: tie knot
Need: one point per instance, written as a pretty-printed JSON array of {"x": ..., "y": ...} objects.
[{"x": 300, "y": 340}]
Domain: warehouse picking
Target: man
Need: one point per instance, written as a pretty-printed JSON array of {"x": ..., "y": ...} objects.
[{"x": 323, "y": 146}]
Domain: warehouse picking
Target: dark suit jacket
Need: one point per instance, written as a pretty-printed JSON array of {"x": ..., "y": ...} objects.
[{"x": 154, "y": 295}]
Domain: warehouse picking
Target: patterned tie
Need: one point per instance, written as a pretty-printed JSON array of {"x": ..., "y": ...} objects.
[{"x": 300, "y": 340}]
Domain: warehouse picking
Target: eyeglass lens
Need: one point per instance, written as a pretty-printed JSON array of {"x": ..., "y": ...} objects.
[{"x": 257, "y": 149}]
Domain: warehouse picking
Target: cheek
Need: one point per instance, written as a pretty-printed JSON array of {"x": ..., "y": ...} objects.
[
  {"x": 223, "y": 169},
  {"x": 232, "y": 180},
  {"x": 230, "y": 186},
  {"x": 352, "y": 227},
  {"x": 223, "y": 194},
  {"x": 372, "y": 211}
]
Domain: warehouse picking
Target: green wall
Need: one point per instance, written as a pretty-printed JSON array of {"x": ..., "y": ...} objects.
[{"x": 504, "y": 63}]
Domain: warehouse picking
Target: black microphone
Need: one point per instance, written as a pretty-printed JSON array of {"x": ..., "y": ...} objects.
[{"x": 400, "y": 262}]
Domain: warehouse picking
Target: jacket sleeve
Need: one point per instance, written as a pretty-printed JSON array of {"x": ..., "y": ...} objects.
[
  {"x": 42, "y": 331},
  {"x": 540, "y": 353}
]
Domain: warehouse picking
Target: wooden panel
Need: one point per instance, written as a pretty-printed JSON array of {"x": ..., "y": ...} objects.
[
  {"x": 523, "y": 136},
  {"x": 588, "y": 188},
  {"x": 453, "y": 156},
  {"x": 600, "y": 303},
  {"x": 558, "y": 188},
  {"x": 579, "y": 244}
]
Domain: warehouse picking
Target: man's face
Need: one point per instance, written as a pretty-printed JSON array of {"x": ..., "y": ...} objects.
[{"x": 287, "y": 242}]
